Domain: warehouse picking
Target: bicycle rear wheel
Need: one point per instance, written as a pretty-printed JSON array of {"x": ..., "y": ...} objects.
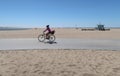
[{"x": 41, "y": 38}]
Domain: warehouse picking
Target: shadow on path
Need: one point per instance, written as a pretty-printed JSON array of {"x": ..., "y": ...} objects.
[{"x": 50, "y": 42}]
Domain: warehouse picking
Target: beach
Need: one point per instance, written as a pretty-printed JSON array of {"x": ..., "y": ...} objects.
[
  {"x": 60, "y": 62},
  {"x": 63, "y": 33}
]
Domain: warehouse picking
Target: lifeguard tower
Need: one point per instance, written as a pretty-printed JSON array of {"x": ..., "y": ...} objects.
[{"x": 100, "y": 27}]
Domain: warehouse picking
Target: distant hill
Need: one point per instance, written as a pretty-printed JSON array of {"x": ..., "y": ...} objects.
[{"x": 12, "y": 28}]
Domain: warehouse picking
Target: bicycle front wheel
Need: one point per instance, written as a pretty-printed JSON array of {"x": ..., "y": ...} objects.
[
  {"x": 41, "y": 38},
  {"x": 52, "y": 38}
]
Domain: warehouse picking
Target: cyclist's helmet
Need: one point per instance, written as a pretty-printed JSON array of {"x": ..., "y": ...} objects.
[{"x": 47, "y": 25}]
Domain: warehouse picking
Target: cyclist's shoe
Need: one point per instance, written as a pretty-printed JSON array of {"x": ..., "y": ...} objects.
[{"x": 47, "y": 38}]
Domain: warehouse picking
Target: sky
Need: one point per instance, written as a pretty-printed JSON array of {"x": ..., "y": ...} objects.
[{"x": 59, "y": 13}]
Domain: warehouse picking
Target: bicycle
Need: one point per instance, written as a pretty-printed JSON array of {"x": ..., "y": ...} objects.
[{"x": 51, "y": 37}]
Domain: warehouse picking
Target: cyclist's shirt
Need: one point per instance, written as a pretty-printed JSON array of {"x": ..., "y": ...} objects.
[{"x": 47, "y": 29}]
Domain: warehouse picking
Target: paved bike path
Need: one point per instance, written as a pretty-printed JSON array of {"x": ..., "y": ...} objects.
[{"x": 61, "y": 43}]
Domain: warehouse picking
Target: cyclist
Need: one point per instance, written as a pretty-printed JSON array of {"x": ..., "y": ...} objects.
[{"x": 48, "y": 31}]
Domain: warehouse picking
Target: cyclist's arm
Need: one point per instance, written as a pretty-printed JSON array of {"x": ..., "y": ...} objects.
[{"x": 45, "y": 30}]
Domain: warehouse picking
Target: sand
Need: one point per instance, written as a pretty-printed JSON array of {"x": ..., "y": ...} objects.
[
  {"x": 59, "y": 63},
  {"x": 63, "y": 33}
]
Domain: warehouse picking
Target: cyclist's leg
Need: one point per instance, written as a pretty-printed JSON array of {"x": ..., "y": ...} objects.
[{"x": 47, "y": 35}]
